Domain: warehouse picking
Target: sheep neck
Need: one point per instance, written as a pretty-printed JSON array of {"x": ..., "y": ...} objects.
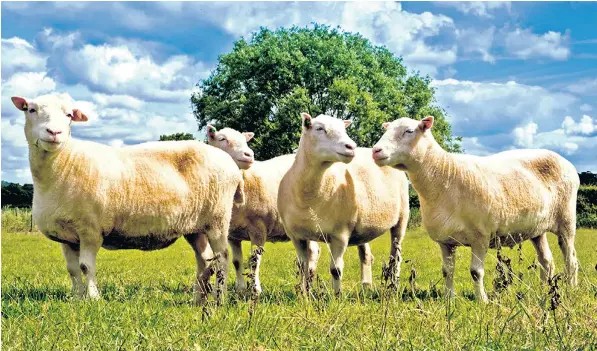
[
  {"x": 437, "y": 169},
  {"x": 50, "y": 168},
  {"x": 310, "y": 176}
]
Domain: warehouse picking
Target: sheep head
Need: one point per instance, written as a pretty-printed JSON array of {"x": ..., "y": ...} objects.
[
  {"x": 405, "y": 141},
  {"x": 48, "y": 119},
  {"x": 234, "y": 143},
  {"x": 325, "y": 140}
]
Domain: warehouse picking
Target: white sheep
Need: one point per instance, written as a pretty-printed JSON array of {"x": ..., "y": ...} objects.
[
  {"x": 89, "y": 195},
  {"x": 257, "y": 219},
  {"x": 477, "y": 201},
  {"x": 334, "y": 193}
]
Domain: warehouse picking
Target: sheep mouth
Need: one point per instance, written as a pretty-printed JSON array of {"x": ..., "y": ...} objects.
[
  {"x": 55, "y": 142},
  {"x": 350, "y": 155},
  {"x": 380, "y": 158},
  {"x": 248, "y": 161}
]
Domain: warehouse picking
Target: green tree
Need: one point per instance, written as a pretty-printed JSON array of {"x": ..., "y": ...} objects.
[
  {"x": 177, "y": 136},
  {"x": 264, "y": 84}
]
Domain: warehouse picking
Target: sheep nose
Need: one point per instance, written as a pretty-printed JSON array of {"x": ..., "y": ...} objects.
[
  {"x": 248, "y": 154},
  {"x": 376, "y": 150},
  {"x": 350, "y": 146},
  {"x": 53, "y": 132}
]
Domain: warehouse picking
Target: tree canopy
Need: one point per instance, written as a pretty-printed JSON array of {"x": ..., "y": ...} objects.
[
  {"x": 264, "y": 84},
  {"x": 177, "y": 136}
]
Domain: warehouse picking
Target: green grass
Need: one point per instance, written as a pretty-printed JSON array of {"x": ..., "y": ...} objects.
[{"x": 147, "y": 303}]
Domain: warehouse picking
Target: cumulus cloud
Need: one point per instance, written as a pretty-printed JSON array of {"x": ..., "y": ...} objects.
[
  {"x": 476, "y": 108},
  {"x": 19, "y": 55},
  {"x": 524, "y": 44},
  {"x": 477, "y": 41},
  {"x": 584, "y": 87},
  {"x": 404, "y": 33},
  {"x": 523, "y": 136},
  {"x": 584, "y": 127},
  {"x": 477, "y": 8}
]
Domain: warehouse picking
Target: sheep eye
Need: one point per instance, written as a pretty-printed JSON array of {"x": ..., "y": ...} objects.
[
  {"x": 319, "y": 128},
  {"x": 409, "y": 131},
  {"x": 32, "y": 110},
  {"x": 223, "y": 139},
  {"x": 69, "y": 115}
]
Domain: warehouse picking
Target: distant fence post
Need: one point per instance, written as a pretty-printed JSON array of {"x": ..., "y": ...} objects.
[{"x": 31, "y": 221}]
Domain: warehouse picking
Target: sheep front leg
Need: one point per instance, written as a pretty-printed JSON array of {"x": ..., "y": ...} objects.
[
  {"x": 337, "y": 247},
  {"x": 366, "y": 258},
  {"x": 544, "y": 255},
  {"x": 448, "y": 258},
  {"x": 307, "y": 254},
  {"x": 71, "y": 255},
  {"x": 202, "y": 251},
  {"x": 237, "y": 261},
  {"x": 89, "y": 248},
  {"x": 479, "y": 250}
]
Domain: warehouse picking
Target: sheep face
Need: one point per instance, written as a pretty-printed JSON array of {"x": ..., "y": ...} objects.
[
  {"x": 234, "y": 143},
  {"x": 326, "y": 139},
  {"x": 48, "y": 120},
  {"x": 405, "y": 140}
]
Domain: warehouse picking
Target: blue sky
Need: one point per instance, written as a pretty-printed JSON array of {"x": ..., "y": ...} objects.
[{"x": 510, "y": 75}]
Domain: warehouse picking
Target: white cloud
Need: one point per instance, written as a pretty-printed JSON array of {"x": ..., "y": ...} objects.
[
  {"x": 384, "y": 23},
  {"x": 524, "y": 44},
  {"x": 523, "y": 136},
  {"x": 476, "y": 108},
  {"x": 477, "y": 8},
  {"x": 584, "y": 87},
  {"x": 117, "y": 70},
  {"x": 27, "y": 84},
  {"x": 19, "y": 55},
  {"x": 473, "y": 40},
  {"x": 586, "y": 108},
  {"x": 584, "y": 127}
]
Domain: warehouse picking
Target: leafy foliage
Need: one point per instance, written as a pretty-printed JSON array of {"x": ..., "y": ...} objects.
[
  {"x": 588, "y": 178},
  {"x": 16, "y": 195},
  {"x": 264, "y": 84},
  {"x": 177, "y": 136}
]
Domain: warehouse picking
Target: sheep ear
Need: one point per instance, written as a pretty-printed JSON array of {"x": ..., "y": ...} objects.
[
  {"x": 385, "y": 125},
  {"x": 347, "y": 123},
  {"x": 19, "y": 102},
  {"x": 79, "y": 116},
  {"x": 426, "y": 123},
  {"x": 306, "y": 120},
  {"x": 249, "y": 135},
  {"x": 211, "y": 131}
]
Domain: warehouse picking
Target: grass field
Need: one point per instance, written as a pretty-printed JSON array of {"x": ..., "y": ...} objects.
[{"x": 147, "y": 303}]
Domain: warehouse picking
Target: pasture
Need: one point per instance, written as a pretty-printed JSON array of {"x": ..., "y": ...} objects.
[{"x": 147, "y": 303}]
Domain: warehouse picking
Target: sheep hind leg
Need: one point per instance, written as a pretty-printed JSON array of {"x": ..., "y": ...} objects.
[
  {"x": 448, "y": 259},
  {"x": 544, "y": 256},
  {"x": 397, "y": 232},
  {"x": 219, "y": 244},
  {"x": 71, "y": 255},
  {"x": 566, "y": 243},
  {"x": 258, "y": 236},
  {"x": 237, "y": 261},
  {"x": 366, "y": 258},
  {"x": 202, "y": 251}
]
